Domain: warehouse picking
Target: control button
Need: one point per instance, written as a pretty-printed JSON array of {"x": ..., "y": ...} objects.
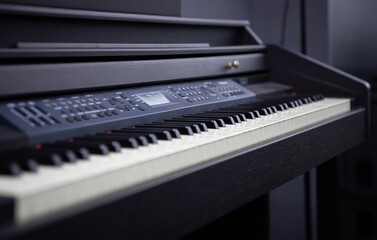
[
  {"x": 173, "y": 89},
  {"x": 123, "y": 96},
  {"x": 88, "y": 108},
  {"x": 77, "y": 118},
  {"x": 115, "y": 112},
  {"x": 93, "y": 115},
  {"x": 95, "y": 107},
  {"x": 189, "y": 100},
  {"x": 72, "y": 110},
  {"x": 81, "y": 109},
  {"x": 100, "y": 114},
  {"x": 96, "y": 99},
  {"x": 69, "y": 119},
  {"x": 102, "y": 106},
  {"x": 225, "y": 95},
  {"x": 126, "y": 107},
  {"x": 140, "y": 108},
  {"x": 112, "y": 101},
  {"x": 192, "y": 88},
  {"x": 108, "y": 113},
  {"x": 85, "y": 117},
  {"x": 63, "y": 111},
  {"x": 132, "y": 102},
  {"x": 181, "y": 95},
  {"x": 83, "y": 100},
  {"x": 69, "y": 102}
]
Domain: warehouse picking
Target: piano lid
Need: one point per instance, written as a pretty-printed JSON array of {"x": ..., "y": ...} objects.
[
  {"x": 53, "y": 50},
  {"x": 86, "y": 33}
]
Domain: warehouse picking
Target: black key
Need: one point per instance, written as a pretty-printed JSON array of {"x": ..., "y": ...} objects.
[
  {"x": 113, "y": 145},
  {"x": 160, "y": 134},
  {"x": 264, "y": 112},
  {"x": 141, "y": 140},
  {"x": 269, "y": 109},
  {"x": 246, "y": 113},
  {"x": 173, "y": 131},
  {"x": 151, "y": 138},
  {"x": 274, "y": 109},
  {"x": 11, "y": 168},
  {"x": 305, "y": 100},
  {"x": 93, "y": 147},
  {"x": 220, "y": 121},
  {"x": 194, "y": 127},
  {"x": 28, "y": 164},
  {"x": 257, "y": 114},
  {"x": 120, "y": 141},
  {"x": 66, "y": 155},
  {"x": 223, "y": 116},
  {"x": 45, "y": 158},
  {"x": 208, "y": 123},
  {"x": 81, "y": 153},
  {"x": 184, "y": 130}
]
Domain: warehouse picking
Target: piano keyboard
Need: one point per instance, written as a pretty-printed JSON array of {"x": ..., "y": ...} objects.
[{"x": 119, "y": 159}]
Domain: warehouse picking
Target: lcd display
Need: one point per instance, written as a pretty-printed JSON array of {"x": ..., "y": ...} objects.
[{"x": 153, "y": 98}]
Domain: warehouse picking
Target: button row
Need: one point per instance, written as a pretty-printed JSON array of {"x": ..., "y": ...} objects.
[
  {"x": 71, "y": 102},
  {"x": 79, "y": 118},
  {"x": 233, "y": 93},
  {"x": 82, "y": 109}
]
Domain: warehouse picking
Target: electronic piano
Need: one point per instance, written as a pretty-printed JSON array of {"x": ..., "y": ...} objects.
[{"x": 125, "y": 125}]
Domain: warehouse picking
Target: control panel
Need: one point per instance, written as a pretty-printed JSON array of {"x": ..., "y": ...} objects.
[{"x": 38, "y": 117}]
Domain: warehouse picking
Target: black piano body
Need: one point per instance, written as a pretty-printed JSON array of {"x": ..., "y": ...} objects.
[{"x": 48, "y": 52}]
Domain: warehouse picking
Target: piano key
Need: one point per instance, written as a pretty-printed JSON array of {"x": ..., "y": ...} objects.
[
  {"x": 28, "y": 164},
  {"x": 65, "y": 154},
  {"x": 113, "y": 141},
  {"x": 264, "y": 112},
  {"x": 221, "y": 115},
  {"x": 159, "y": 133},
  {"x": 173, "y": 131},
  {"x": 44, "y": 158},
  {"x": 222, "y": 121},
  {"x": 219, "y": 121},
  {"x": 10, "y": 168},
  {"x": 150, "y": 137},
  {"x": 81, "y": 152},
  {"x": 112, "y": 144},
  {"x": 194, "y": 127},
  {"x": 130, "y": 141},
  {"x": 207, "y": 123},
  {"x": 132, "y": 167},
  {"x": 93, "y": 147},
  {"x": 184, "y": 130}
]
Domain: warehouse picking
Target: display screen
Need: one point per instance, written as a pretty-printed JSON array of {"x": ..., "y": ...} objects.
[{"x": 153, "y": 98}]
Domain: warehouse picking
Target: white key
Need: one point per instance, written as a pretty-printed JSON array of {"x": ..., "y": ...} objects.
[{"x": 57, "y": 188}]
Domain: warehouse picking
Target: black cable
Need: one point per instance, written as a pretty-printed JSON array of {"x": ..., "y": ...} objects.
[{"x": 284, "y": 22}]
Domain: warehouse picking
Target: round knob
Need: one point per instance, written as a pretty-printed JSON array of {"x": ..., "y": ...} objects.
[
  {"x": 236, "y": 63},
  {"x": 229, "y": 65}
]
